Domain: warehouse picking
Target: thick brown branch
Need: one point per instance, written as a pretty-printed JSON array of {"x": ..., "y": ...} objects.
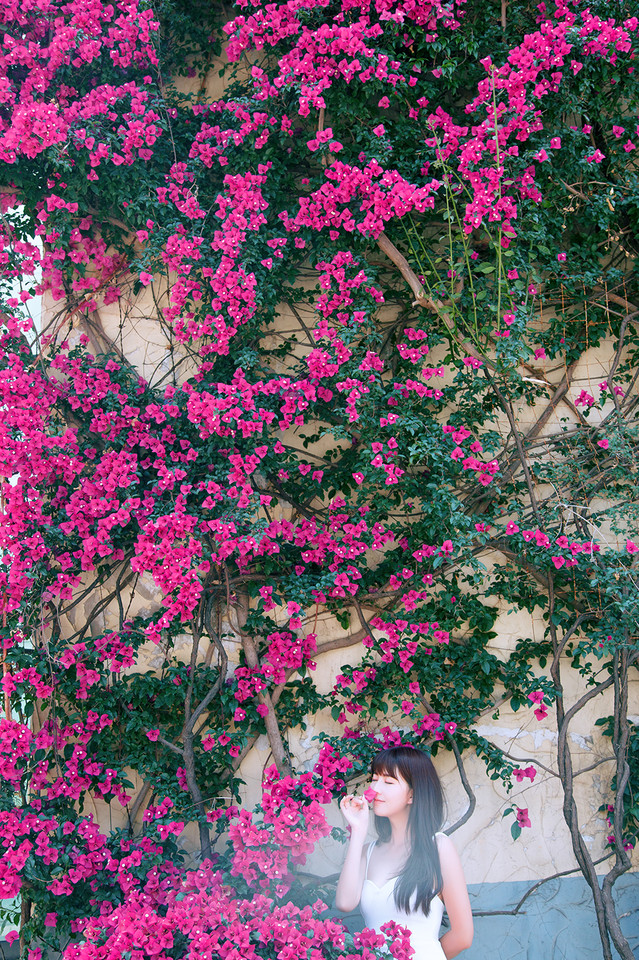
[
  {"x": 134, "y": 809},
  {"x": 273, "y": 732},
  {"x": 561, "y": 645},
  {"x": 423, "y": 300},
  {"x": 188, "y": 751},
  {"x": 566, "y": 773},
  {"x": 341, "y": 643},
  {"x": 362, "y": 619},
  {"x": 472, "y": 799},
  {"x": 170, "y": 745},
  {"x": 407, "y": 272},
  {"x": 560, "y": 392},
  {"x": 621, "y": 739}
]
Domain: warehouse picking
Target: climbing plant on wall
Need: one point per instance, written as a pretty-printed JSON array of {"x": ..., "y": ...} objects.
[{"x": 369, "y": 263}]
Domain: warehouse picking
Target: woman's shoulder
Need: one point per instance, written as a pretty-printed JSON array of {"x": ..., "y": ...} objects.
[
  {"x": 446, "y": 849},
  {"x": 444, "y": 843}
]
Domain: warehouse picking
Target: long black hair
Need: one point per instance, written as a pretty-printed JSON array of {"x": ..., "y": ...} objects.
[{"x": 421, "y": 879}]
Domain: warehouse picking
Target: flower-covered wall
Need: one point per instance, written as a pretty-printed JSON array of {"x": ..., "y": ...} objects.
[{"x": 318, "y": 373}]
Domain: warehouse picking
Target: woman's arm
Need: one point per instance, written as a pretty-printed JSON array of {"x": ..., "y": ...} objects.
[
  {"x": 351, "y": 879},
  {"x": 455, "y": 897}
]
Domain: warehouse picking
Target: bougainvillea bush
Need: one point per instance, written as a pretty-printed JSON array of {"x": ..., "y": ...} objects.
[
  {"x": 198, "y": 918},
  {"x": 373, "y": 257}
]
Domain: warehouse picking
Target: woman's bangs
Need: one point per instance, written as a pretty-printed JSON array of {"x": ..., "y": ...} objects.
[
  {"x": 385, "y": 764},
  {"x": 381, "y": 769}
]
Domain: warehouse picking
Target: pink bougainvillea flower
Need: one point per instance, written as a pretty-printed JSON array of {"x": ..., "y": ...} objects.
[
  {"x": 584, "y": 399},
  {"x": 522, "y": 817},
  {"x": 520, "y": 773}
]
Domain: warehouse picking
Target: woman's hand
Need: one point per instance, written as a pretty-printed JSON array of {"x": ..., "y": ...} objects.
[{"x": 356, "y": 813}]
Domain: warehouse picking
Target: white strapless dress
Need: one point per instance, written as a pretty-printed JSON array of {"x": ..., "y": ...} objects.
[{"x": 377, "y": 906}]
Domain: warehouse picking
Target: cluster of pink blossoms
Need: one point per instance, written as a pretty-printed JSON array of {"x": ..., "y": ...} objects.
[
  {"x": 293, "y": 820},
  {"x": 202, "y": 917}
]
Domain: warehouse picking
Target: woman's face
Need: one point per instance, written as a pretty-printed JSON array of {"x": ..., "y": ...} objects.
[{"x": 392, "y": 794}]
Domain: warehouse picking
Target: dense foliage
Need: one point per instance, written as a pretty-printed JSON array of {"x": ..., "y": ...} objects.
[{"x": 372, "y": 266}]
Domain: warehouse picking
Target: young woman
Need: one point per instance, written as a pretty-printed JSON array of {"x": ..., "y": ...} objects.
[{"x": 411, "y": 872}]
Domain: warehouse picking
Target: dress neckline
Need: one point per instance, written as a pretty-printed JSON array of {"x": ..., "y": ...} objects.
[
  {"x": 377, "y": 887},
  {"x": 367, "y": 879}
]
